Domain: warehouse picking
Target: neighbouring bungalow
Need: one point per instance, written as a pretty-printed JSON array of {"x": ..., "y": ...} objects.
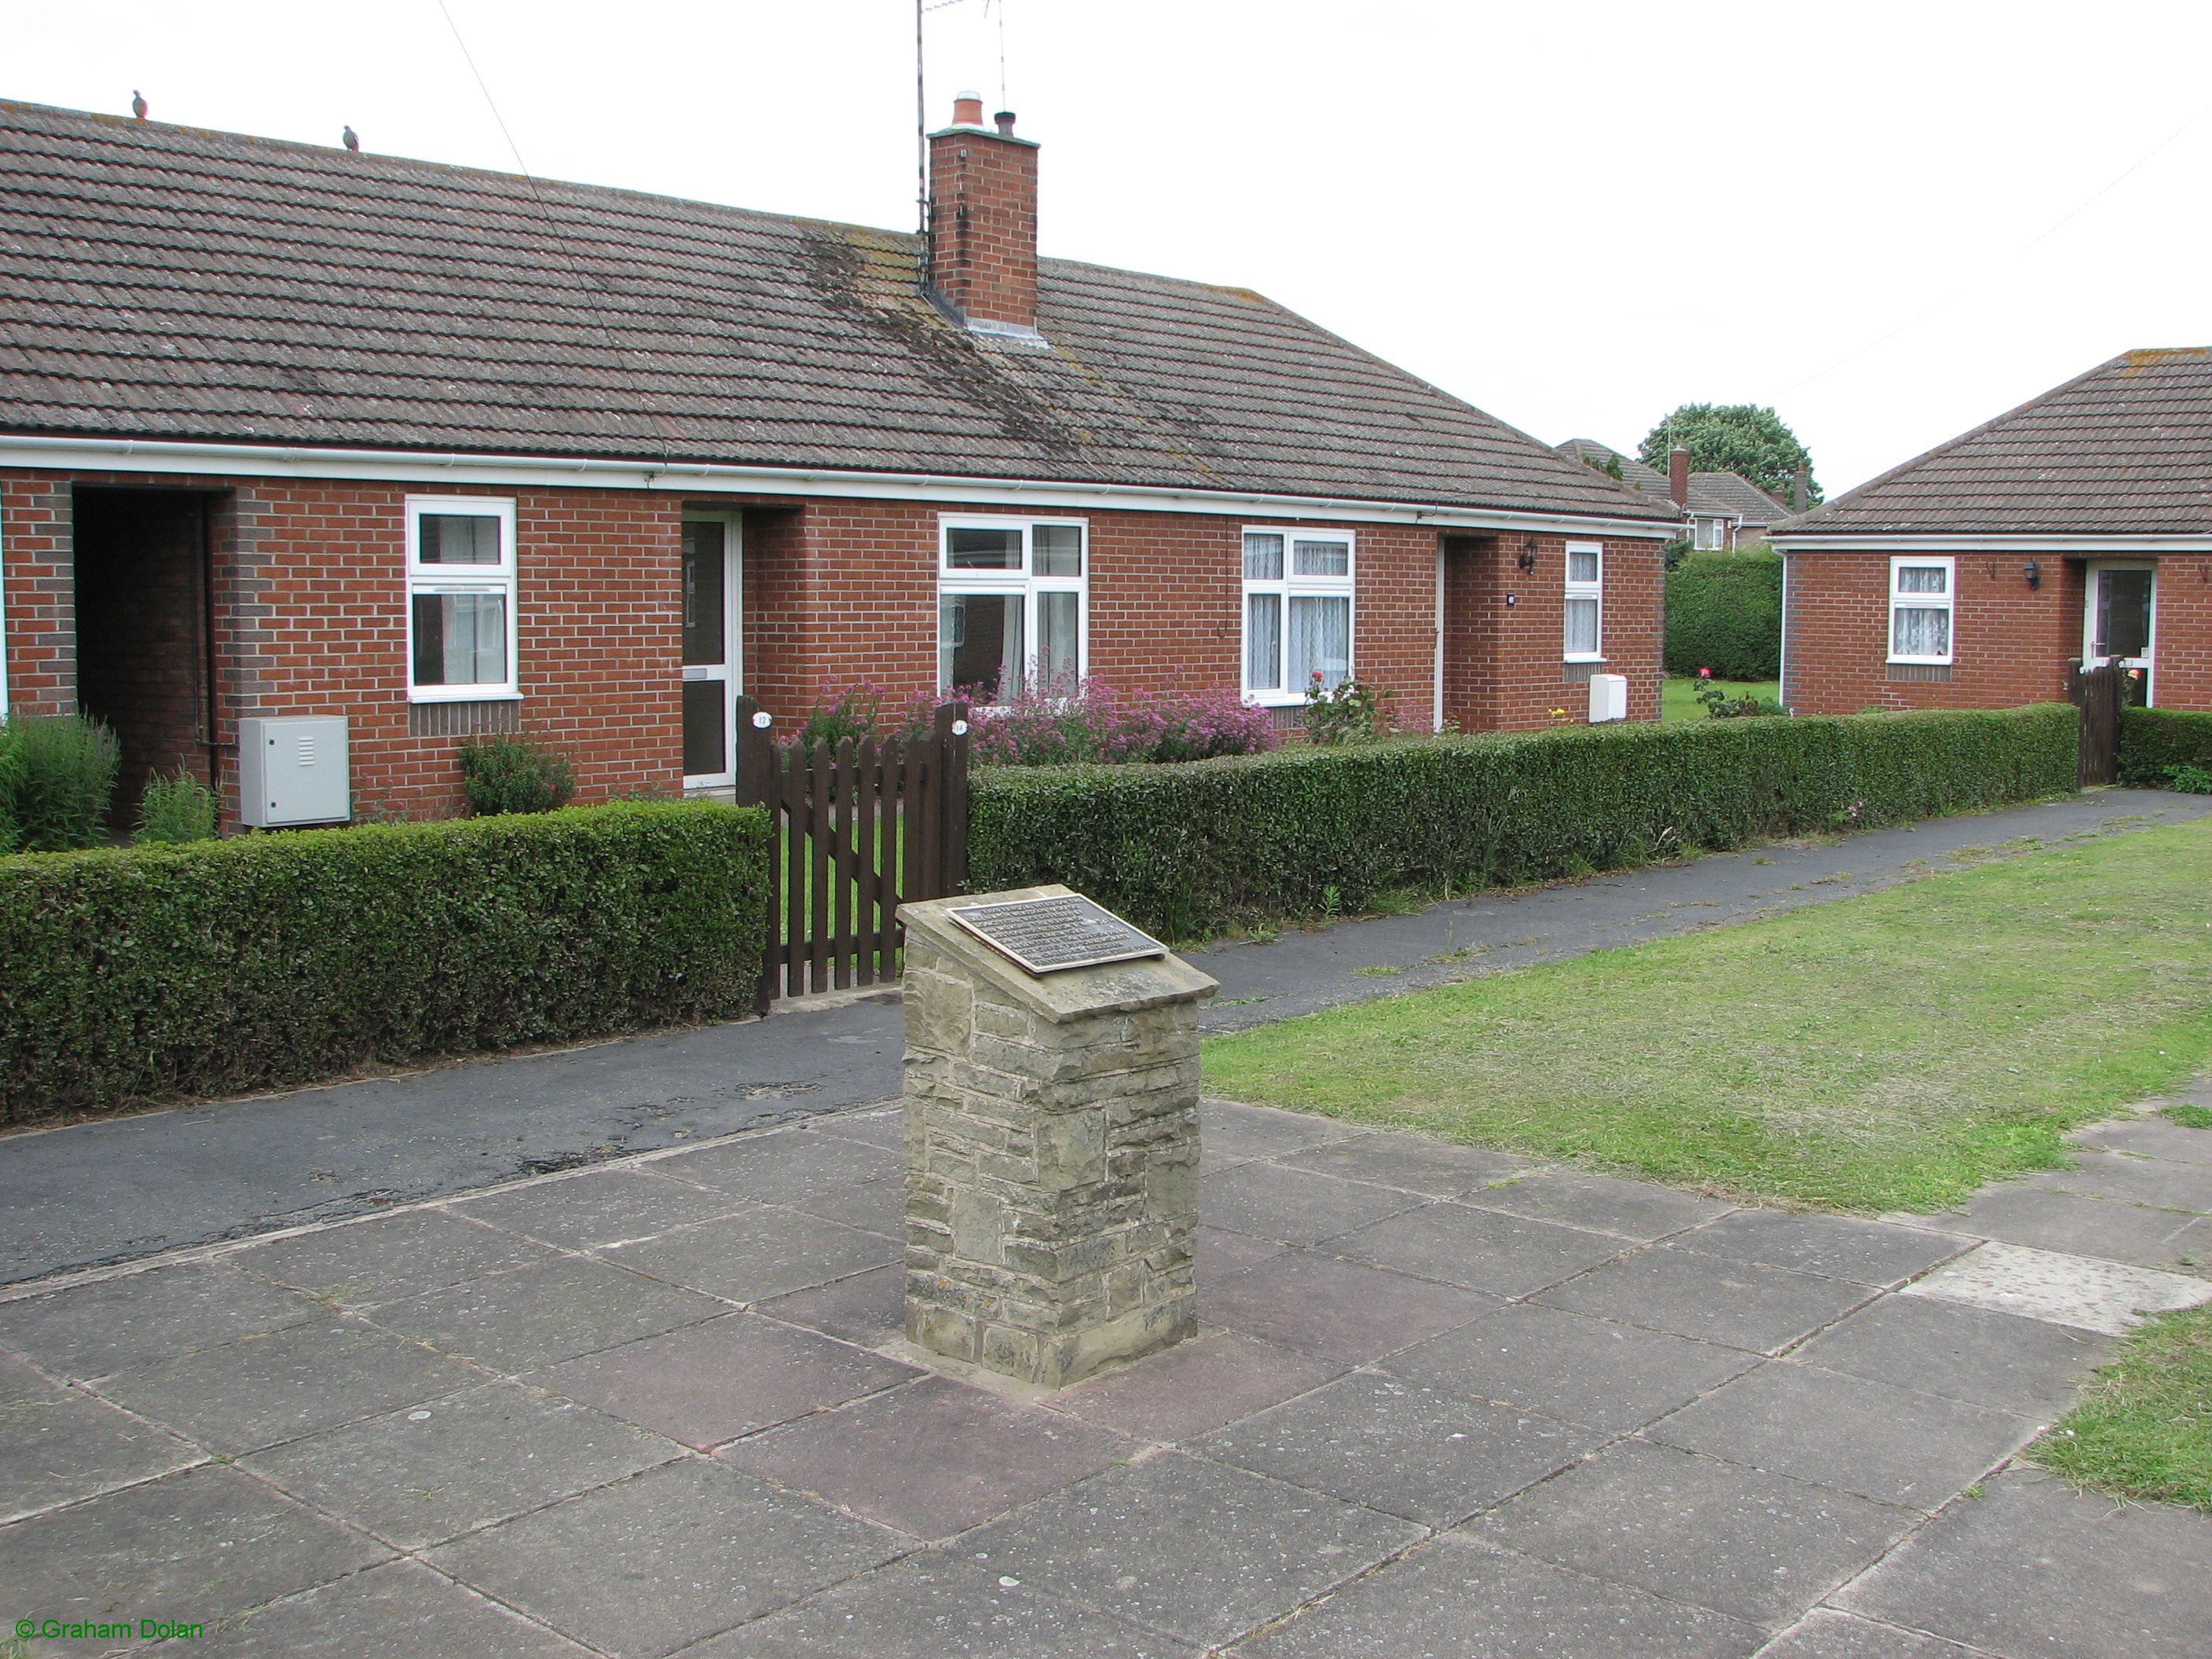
[
  {"x": 289, "y": 431},
  {"x": 2077, "y": 529},
  {"x": 1721, "y": 512}
]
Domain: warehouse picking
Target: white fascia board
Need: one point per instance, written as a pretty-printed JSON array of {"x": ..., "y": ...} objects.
[
  {"x": 702, "y": 478},
  {"x": 2086, "y": 546}
]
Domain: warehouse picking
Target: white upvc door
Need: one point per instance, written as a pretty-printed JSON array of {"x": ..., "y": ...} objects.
[
  {"x": 713, "y": 561},
  {"x": 2119, "y": 622}
]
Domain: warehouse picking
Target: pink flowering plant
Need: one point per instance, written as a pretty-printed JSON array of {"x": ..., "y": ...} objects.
[{"x": 1086, "y": 722}]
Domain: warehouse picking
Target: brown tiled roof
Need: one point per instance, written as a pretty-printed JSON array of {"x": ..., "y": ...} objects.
[
  {"x": 2124, "y": 449},
  {"x": 1729, "y": 493},
  {"x": 162, "y": 281}
]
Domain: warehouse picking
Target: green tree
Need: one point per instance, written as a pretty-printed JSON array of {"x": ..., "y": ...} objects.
[{"x": 1739, "y": 438}]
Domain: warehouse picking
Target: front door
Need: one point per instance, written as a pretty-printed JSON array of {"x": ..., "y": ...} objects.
[
  {"x": 2121, "y": 623},
  {"x": 711, "y": 668}
]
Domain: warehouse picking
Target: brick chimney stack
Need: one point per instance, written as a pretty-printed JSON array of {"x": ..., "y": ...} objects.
[
  {"x": 982, "y": 221},
  {"x": 1678, "y": 476},
  {"x": 1801, "y": 492}
]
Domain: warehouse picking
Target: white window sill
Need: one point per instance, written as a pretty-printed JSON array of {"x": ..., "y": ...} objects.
[
  {"x": 462, "y": 694},
  {"x": 1920, "y": 662},
  {"x": 1583, "y": 657}
]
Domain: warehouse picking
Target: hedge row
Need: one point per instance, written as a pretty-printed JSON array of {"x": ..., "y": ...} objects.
[
  {"x": 2152, "y": 740},
  {"x": 1725, "y": 612},
  {"x": 270, "y": 960},
  {"x": 1191, "y": 849}
]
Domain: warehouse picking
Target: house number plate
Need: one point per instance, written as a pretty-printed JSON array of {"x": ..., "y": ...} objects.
[{"x": 1046, "y": 935}]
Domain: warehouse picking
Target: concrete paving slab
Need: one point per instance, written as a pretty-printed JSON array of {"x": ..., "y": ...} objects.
[
  {"x": 262, "y": 1390},
  {"x": 2026, "y": 1366},
  {"x": 1291, "y": 1206},
  {"x": 430, "y": 1473},
  {"x": 706, "y": 1384},
  {"x": 2047, "y": 1219},
  {"x": 1220, "y": 1253},
  {"x": 537, "y": 1316},
  {"x": 929, "y": 1606},
  {"x": 793, "y": 1167},
  {"x": 696, "y": 1547},
  {"x": 1481, "y": 1250},
  {"x": 2092, "y": 1294},
  {"x": 398, "y": 1611},
  {"x": 1337, "y": 1309},
  {"x": 2149, "y": 1137},
  {"x": 884, "y": 1129},
  {"x": 1396, "y": 1446},
  {"x": 1195, "y": 1387},
  {"x": 1434, "y": 1169},
  {"x": 370, "y": 1262},
  {"x": 2133, "y": 1179},
  {"x": 1633, "y": 1209},
  {"x": 601, "y": 1208},
  {"x": 1763, "y": 1310},
  {"x": 1453, "y": 1596},
  {"x": 1825, "y": 1633},
  {"x": 1834, "y": 1246},
  {"x": 868, "y": 1309},
  {"x": 1755, "y": 1546},
  {"x": 875, "y": 1206},
  {"x": 192, "y": 1548},
  {"x": 759, "y": 1253},
  {"x": 1609, "y": 1376},
  {"x": 1195, "y": 1548},
  {"x": 2033, "y": 1567},
  {"x": 57, "y": 1446},
  {"x": 933, "y": 1458},
  {"x": 1830, "y": 1429},
  {"x": 90, "y": 1330},
  {"x": 1229, "y": 1131}
]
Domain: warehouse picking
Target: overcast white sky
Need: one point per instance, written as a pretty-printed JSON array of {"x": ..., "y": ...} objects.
[{"x": 1576, "y": 217}]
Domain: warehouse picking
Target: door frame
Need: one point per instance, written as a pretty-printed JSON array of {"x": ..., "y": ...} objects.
[
  {"x": 2093, "y": 574},
  {"x": 730, "y": 670}
]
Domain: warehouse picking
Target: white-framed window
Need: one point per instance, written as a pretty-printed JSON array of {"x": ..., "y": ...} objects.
[
  {"x": 1583, "y": 631},
  {"x": 1012, "y": 605},
  {"x": 1921, "y": 591},
  {"x": 460, "y": 599},
  {"x": 1297, "y": 612},
  {"x": 1710, "y": 534}
]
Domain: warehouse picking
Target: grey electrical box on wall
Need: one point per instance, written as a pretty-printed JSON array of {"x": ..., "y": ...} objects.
[{"x": 293, "y": 771}]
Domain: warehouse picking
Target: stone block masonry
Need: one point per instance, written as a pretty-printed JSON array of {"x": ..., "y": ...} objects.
[{"x": 1052, "y": 1153}]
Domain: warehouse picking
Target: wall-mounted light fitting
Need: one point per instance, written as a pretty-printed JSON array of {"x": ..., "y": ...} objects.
[
  {"x": 1528, "y": 560},
  {"x": 2033, "y": 572}
]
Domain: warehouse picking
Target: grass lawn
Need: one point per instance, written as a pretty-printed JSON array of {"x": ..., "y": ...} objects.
[
  {"x": 1677, "y": 695},
  {"x": 1893, "y": 1051},
  {"x": 2144, "y": 1426}
]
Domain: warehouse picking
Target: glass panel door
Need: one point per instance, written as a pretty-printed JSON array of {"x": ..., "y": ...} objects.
[
  {"x": 2122, "y": 624},
  {"x": 710, "y": 678}
]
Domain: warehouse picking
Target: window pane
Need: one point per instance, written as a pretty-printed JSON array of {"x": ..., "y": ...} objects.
[
  {"x": 1263, "y": 640},
  {"x": 1060, "y": 621},
  {"x": 1922, "y": 578},
  {"x": 1320, "y": 641},
  {"x": 460, "y": 639},
  {"x": 983, "y": 550},
  {"x": 2122, "y": 613},
  {"x": 703, "y": 598},
  {"x": 1709, "y": 535},
  {"x": 1919, "y": 631},
  {"x": 1582, "y": 626},
  {"x": 457, "y": 538},
  {"x": 979, "y": 644},
  {"x": 1582, "y": 565},
  {"x": 706, "y": 729},
  {"x": 1056, "y": 549},
  {"x": 1263, "y": 558},
  {"x": 1321, "y": 558}
]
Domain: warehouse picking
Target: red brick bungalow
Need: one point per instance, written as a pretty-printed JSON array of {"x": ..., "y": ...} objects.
[
  {"x": 2077, "y": 528},
  {"x": 287, "y": 430}
]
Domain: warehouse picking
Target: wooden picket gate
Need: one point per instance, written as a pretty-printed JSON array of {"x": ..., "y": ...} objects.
[
  {"x": 860, "y": 829},
  {"x": 2097, "y": 694}
]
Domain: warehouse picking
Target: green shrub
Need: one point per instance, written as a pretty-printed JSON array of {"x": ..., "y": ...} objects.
[
  {"x": 60, "y": 776},
  {"x": 514, "y": 775},
  {"x": 1351, "y": 711},
  {"x": 175, "y": 810},
  {"x": 1725, "y": 612},
  {"x": 1189, "y": 850},
  {"x": 2156, "y": 742},
  {"x": 270, "y": 960}
]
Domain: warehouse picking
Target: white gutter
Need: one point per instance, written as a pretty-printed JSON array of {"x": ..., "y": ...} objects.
[
  {"x": 1874, "y": 542},
  {"x": 696, "y": 478}
]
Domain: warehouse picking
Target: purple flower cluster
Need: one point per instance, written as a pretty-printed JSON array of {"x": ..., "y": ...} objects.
[{"x": 1095, "y": 723}]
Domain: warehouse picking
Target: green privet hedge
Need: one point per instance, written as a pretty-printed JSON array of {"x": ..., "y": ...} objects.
[
  {"x": 215, "y": 967},
  {"x": 1725, "y": 612},
  {"x": 2155, "y": 743},
  {"x": 1193, "y": 849}
]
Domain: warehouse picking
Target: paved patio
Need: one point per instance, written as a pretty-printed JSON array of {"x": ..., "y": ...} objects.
[{"x": 1446, "y": 1402}]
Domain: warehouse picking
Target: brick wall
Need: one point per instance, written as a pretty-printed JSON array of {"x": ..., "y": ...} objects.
[
  {"x": 1504, "y": 664},
  {"x": 984, "y": 224},
  {"x": 2010, "y": 644}
]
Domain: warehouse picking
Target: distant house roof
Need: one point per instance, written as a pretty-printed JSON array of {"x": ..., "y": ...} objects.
[
  {"x": 2123, "y": 449},
  {"x": 166, "y": 282},
  {"x": 1728, "y": 493}
]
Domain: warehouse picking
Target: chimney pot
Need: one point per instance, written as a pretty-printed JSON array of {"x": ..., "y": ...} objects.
[
  {"x": 967, "y": 109},
  {"x": 1005, "y": 118},
  {"x": 1678, "y": 476}
]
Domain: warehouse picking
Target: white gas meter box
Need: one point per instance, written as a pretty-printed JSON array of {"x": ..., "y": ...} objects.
[
  {"x": 1608, "y": 698},
  {"x": 293, "y": 771}
]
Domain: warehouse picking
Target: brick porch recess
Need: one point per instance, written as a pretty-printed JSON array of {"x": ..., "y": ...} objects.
[{"x": 1443, "y": 1400}]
